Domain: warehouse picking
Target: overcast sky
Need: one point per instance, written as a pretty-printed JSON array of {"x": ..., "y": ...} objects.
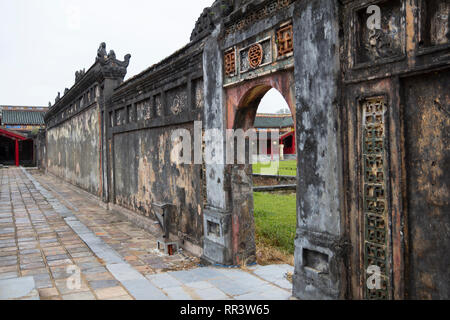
[{"x": 43, "y": 43}]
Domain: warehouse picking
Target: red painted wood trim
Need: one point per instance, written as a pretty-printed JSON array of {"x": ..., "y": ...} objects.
[
  {"x": 12, "y": 135},
  {"x": 17, "y": 153}
]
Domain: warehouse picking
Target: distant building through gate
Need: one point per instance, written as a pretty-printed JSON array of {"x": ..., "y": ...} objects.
[
  {"x": 19, "y": 126},
  {"x": 284, "y": 123}
]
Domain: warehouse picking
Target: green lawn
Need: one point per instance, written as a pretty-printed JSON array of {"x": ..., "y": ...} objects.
[
  {"x": 285, "y": 168},
  {"x": 276, "y": 219}
]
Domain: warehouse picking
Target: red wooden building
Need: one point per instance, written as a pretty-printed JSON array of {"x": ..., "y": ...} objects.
[
  {"x": 277, "y": 122},
  {"x": 18, "y": 127},
  {"x": 10, "y": 145}
]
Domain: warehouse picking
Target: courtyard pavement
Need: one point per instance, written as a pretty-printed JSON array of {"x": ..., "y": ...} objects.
[{"x": 57, "y": 242}]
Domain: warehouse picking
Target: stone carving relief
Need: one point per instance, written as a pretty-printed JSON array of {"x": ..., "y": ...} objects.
[
  {"x": 199, "y": 94},
  {"x": 177, "y": 100},
  {"x": 285, "y": 40},
  {"x": 58, "y": 98},
  {"x": 144, "y": 110},
  {"x": 255, "y": 55},
  {"x": 255, "y": 15},
  {"x": 230, "y": 62},
  {"x": 110, "y": 64},
  {"x": 79, "y": 74},
  {"x": 159, "y": 106},
  {"x": 383, "y": 42}
]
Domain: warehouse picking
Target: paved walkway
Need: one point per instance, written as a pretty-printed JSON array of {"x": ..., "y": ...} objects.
[{"x": 57, "y": 243}]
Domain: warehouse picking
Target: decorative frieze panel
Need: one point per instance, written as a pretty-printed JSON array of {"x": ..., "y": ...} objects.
[
  {"x": 144, "y": 110},
  {"x": 380, "y": 34},
  {"x": 199, "y": 98},
  {"x": 256, "y": 55},
  {"x": 268, "y": 52},
  {"x": 285, "y": 40},
  {"x": 257, "y": 14},
  {"x": 177, "y": 100},
  {"x": 230, "y": 62},
  {"x": 121, "y": 117},
  {"x": 159, "y": 105},
  {"x": 376, "y": 232}
]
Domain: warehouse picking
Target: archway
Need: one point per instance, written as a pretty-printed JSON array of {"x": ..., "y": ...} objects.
[{"x": 243, "y": 102}]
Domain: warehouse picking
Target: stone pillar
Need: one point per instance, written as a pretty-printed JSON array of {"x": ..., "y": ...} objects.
[
  {"x": 217, "y": 219},
  {"x": 319, "y": 245}
]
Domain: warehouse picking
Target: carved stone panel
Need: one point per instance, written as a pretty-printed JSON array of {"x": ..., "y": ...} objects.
[
  {"x": 375, "y": 208},
  {"x": 199, "y": 99},
  {"x": 384, "y": 38},
  {"x": 159, "y": 105},
  {"x": 255, "y": 55},
  {"x": 269, "y": 9},
  {"x": 177, "y": 100},
  {"x": 230, "y": 62},
  {"x": 285, "y": 40},
  {"x": 265, "y": 53},
  {"x": 144, "y": 110},
  {"x": 121, "y": 117}
]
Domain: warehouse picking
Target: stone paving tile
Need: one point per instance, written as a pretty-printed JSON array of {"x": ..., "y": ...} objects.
[
  {"x": 107, "y": 293},
  {"x": 211, "y": 294},
  {"x": 102, "y": 284},
  {"x": 164, "y": 281},
  {"x": 143, "y": 290},
  {"x": 177, "y": 293},
  {"x": 46, "y": 227},
  {"x": 16, "y": 288},
  {"x": 79, "y": 296}
]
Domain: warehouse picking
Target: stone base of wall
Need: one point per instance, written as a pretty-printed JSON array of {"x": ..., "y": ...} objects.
[{"x": 147, "y": 224}]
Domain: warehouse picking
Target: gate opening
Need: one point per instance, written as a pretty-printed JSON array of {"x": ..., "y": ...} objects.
[{"x": 272, "y": 176}]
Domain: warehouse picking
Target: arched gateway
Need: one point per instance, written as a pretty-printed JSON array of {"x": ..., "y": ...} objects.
[
  {"x": 291, "y": 46},
  {"x": 371, "y": 115}
]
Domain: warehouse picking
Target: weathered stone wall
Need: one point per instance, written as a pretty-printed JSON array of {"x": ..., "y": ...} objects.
[
  {"x": 143, "y": 114},
  {"x": 75, "y": 143},
  {"x": 319, "y": 268},
  {"x": 147, "y": 176},
  {"x": 40, "y": 143},
  {"x": 427, "y": 155},
  {"x": 395, "y": 141},
  {"x": 372, "y": 122},
  {"x": 74, "y": 150}
]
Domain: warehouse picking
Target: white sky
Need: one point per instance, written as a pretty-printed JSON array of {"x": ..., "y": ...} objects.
[{"x": 43, "y": 43}]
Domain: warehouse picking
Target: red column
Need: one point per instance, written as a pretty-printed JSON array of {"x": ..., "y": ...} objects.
[{"x": 17, "y": 153}]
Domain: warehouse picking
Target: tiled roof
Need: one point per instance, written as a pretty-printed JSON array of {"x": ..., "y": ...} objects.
[
  {"x": 273, "y": 121},
  {"x": 11, "y": 117}
]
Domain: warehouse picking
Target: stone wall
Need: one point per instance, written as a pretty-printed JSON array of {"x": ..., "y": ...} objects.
[
  {"x": 371, "y": 112},
  {"x": 74, "y": 150}
]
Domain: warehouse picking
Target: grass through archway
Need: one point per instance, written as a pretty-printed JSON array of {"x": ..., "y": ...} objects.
[{"x": 275, "y": 224}]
